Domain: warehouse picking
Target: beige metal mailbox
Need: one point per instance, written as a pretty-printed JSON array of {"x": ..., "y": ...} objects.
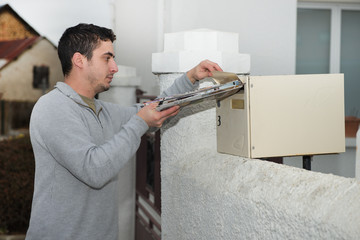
[{"x": 283, "y": 115}]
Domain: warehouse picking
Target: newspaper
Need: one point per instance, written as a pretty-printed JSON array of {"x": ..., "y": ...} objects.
[{"x": 215, "y": 92}]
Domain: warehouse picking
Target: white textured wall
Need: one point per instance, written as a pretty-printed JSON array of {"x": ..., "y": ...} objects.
[
  {"x": 214, "y": 196},
  {"x": 195, "y": 125},
  {"x": 207, "y": 195}
]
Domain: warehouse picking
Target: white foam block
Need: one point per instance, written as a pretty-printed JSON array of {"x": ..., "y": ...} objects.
[{"x": 183, "y": 61}]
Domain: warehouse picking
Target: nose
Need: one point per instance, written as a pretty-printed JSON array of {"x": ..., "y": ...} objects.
[{"x": 114, "y": 68}]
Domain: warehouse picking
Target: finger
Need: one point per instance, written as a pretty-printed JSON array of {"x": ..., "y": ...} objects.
[
  {"x": 168, "y": 111},
  {"x": 218, "y": 68},
  {"x": 211, "y": 66},
  {"x": 153, "y": 105},
  {"x": 214, "y": 67},
  {"x": 174, "y": 113},
  {"x": 161, "y": 121},
  {"x": 167, "y": 114}
]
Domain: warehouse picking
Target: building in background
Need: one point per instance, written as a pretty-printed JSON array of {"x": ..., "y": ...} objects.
[{"x": 29, "y": 67}]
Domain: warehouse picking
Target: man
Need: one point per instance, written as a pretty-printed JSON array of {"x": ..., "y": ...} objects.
[{"x": 80, "y": 143}]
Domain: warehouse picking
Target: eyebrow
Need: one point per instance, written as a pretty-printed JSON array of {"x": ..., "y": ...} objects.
[{"x": 110, "y": 54}]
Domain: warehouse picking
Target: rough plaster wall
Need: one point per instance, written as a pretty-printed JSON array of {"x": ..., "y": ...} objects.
[
  {"x": 219, "y": 196},
  {"x": 207, "y": 195},
  {"x": 197, "y": 120}
]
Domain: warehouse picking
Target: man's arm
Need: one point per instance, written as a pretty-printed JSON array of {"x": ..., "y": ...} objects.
[
  {"x": 154, "y": 118},
  {"x": 58, "y": 132}
]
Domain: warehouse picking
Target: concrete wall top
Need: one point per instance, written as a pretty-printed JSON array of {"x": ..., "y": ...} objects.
[
  {"x": 219, "y": 196},
  {"x": 184, "y": 50}
]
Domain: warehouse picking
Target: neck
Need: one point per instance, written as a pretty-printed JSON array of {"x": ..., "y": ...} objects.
[{"x": 81, "y": 87}]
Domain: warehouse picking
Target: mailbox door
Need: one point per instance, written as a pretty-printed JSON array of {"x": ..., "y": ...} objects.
[{"x": 232, "y": 118}]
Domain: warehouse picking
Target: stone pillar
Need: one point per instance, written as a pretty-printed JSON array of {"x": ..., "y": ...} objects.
[
  {"x": 122, "y": 92},
  {"x": 123, "y": 87},
  {"x": 194, "y": 129}
]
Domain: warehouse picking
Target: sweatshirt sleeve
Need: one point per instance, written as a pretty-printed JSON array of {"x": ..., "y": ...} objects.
[{"x": 180, "y": 85}]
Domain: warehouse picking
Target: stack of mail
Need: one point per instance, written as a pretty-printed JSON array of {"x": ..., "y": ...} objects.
[{"x": 217, "y": 92}]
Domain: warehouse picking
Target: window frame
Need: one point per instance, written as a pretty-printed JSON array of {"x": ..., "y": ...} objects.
[{"x": 335, "y": 29}]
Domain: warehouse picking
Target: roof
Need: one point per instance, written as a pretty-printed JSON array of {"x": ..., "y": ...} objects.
[
  {"x": 9, "y": 50},
  {"x": 7, "y": 7}
]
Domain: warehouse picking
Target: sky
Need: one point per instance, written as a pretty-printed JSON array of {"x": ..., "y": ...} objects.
[{"x": 51, "y": 17}]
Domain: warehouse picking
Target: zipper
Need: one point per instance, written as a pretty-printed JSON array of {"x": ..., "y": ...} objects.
[{"x": 97, "y": 116}]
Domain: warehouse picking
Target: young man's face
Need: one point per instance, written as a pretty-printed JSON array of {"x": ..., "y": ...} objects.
[{"x": 102, "y": 67}]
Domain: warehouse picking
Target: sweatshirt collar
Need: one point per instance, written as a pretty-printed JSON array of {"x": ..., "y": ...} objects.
[{"x": 70, "y": 93}]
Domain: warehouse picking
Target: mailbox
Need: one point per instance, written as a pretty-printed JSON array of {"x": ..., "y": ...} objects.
[{"x": 286, "y": 115}]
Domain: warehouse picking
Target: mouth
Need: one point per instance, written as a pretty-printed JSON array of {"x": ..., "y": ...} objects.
[{"x": 110, "y": 77}]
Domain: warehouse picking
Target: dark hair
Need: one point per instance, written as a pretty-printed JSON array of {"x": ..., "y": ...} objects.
[{"x": 82, "y": 38}]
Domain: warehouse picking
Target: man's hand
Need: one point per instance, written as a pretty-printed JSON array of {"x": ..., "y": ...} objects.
[
  {"x": 153, "y": 118},
  {"x": 202, "y": 70}
]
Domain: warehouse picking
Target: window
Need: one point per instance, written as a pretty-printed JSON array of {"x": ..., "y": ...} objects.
[
  {"x": 313, "y": 41},
  {"x": 328, "y": 41},
  {"x": 41, "y": 77},
  {"x": 350, "y": 59}
]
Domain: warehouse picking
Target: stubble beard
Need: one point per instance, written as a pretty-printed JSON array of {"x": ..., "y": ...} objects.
[
  {"x": 99, "y": 86},
  {"x": 102, "y": 88}
]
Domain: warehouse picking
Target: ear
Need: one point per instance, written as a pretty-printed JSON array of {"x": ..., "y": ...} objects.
[{"x": 78, "y": 60}]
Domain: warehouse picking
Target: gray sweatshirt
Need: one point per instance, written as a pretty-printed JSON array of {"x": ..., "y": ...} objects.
[{"x": 78, "y": 154}]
